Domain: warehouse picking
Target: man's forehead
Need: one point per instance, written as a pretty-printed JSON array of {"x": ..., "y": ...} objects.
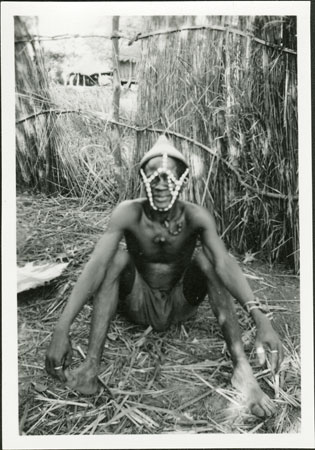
[
  {"x": 160, "y": 161},
  {"x": 161, "y": 147}
]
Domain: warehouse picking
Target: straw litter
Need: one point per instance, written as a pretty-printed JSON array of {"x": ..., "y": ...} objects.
[{"x": 176, "y": 381}]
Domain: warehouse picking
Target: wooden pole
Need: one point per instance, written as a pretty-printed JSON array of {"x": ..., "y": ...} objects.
[
  {"x": 116, "y": 91},
  {"x": 116, "y": 77}
]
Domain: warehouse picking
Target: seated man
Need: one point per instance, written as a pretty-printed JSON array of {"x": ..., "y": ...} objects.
[{"x": 161, "y": 279}]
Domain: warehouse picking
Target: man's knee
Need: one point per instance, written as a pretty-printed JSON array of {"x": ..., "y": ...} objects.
[
  {"x": 208, "y": 270},
  {"x": 218, "y": 293},
  {"x": 118, "y": 264},
  {"x": 195, "y": 280},
  {"x": 204, "y": 264}
]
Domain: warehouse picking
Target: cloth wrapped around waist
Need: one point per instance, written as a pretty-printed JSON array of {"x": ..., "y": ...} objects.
[{"x": 157, "y": 307}]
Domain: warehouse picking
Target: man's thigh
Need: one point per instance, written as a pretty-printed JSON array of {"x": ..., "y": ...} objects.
[{"x": 194, "y": 283}]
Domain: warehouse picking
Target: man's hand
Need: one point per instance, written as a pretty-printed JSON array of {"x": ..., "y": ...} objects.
[
  {"x": 268, "y": 339},
  {"x": 59, "y": 355}
]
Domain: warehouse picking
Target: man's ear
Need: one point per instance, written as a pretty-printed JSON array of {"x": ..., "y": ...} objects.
[{"x": 184, "y": 184}]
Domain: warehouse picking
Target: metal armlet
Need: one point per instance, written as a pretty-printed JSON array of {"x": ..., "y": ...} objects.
[{"x": 254, "y": 304}]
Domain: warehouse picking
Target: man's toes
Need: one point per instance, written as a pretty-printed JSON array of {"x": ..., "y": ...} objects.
[
  {"x": 72, "y": 379},
  {"x": 87, "y": 388},
  {"x": 257, "y": 410},
  {"x": 68, "y": 375},
  {"x": 265, "y": 408},
  {"x": 71, "y": 382},
  {"x": 269, "y": 406}
]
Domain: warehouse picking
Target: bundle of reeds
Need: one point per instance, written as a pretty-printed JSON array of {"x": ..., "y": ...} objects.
[
  {"x": 221, "y": 84},
  {"x": 35, "y": 140}
]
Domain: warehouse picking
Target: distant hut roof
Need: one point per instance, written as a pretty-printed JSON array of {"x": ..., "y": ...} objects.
[
  {"x": 88, "y": 66},
  {"x": 129, "y": 52}
]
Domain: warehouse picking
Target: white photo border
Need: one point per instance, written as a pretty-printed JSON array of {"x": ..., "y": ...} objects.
[{"x": 10, "y": 427}]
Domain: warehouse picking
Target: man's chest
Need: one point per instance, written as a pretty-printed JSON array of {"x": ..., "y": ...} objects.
[{"x": 160, "y": 242}]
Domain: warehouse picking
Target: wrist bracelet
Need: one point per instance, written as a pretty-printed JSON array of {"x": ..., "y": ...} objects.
[{"x": 254, "y": 304}]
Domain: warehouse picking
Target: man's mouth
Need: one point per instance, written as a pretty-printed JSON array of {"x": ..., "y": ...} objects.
[{"x": 161, "y": 197}]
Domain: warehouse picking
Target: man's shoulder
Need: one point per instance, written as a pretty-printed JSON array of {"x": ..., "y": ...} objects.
[
  {"x": 128, "y": 210},
  {"x": 131, "y": 204},
  {"x": 197, "y": 214},
  {"x": 193, "y": 209}
]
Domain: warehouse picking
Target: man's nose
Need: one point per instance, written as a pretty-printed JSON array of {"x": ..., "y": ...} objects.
[{"x": 161, "y": 183}]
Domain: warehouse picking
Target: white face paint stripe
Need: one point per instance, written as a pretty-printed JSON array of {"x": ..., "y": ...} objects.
[{"x": 164, "y": 161}]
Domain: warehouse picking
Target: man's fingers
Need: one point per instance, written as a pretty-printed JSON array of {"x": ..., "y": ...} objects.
[
  {"x": 281, "y": 356},
  {"x": 55, "y": 367},
  {"x": 59, "y": 373},
  {"x": 274, "y": 360},
  {"x": 275, "y": 353},
  {"x": 49, "y": 366},
  {"x": 68, "y": 359},
  {"x": 261, "y": 355}
]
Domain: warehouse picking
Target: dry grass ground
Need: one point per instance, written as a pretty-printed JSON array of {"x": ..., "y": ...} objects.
[{"x": 169, "y": 382}]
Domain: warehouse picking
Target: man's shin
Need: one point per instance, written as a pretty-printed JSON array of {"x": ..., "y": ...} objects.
[
  {"x": 224, "y": 309},
  {"x": 104, "y": 308}
]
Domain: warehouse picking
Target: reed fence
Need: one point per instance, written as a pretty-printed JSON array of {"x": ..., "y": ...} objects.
[
  {"x": 238, "y": 97},
  {"x": 224, "y": 91}
]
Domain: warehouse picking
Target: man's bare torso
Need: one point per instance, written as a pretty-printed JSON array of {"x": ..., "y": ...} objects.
[{"x": 161, "y": 252}]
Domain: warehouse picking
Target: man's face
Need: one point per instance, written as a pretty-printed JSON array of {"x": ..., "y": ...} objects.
[{"x": 161, "y": 184}]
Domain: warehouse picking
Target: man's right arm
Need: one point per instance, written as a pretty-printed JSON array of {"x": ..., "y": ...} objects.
[
  {"x": 87, "y": 284},
  {"x": 94, "y": 272},
  {"x": 90, "y": 279}
]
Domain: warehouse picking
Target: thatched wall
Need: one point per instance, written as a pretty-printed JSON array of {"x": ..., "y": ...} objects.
[
  {"x": 35, "y": 139},
  {"x": 236, "y": 95},
  {"x": 55, "y": 149}
]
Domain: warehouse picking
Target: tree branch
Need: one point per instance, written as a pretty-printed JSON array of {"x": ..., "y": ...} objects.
[
  {"x": 217, "y": 28},
  {"x": 48, "y": 111},
  {"x": 68, "y": 36},
  {"x": 243, "y": 183},
  {"x": 138, "y": 36}
]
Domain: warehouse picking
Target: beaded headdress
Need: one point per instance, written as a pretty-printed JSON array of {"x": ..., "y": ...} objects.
[{"x": 165, "y": 149}]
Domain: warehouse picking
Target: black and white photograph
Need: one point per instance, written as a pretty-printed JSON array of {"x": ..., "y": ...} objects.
[{"x": 157, "y": 199}]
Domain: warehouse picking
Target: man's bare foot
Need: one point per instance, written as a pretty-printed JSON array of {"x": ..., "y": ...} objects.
[
  {"x": 243, "y": 380},
  {"x": 83, "y": 379}
]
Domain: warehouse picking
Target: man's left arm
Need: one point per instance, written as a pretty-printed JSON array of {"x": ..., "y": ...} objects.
[{"x": 231, "y": 275}]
